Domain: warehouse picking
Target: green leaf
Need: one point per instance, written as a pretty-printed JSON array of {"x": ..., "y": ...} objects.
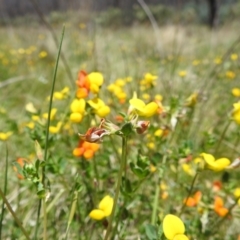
[
  {"x": 151, "y": 232},
  {"x": 127, "y": 129},
  {"x": 141, "y": 173}
]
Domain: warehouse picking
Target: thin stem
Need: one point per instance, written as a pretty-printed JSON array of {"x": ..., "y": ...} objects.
[
  {"x": 4, "y": 190},
  {"x": 155, "y": 203},
  {"x": 72, "y": 212},
  {"x": 44, "y": 220},
  {"x": 119, "y": 182},
  {"x": 189, "y": 193},
  {"x": 222, "y": 136},
  {"x": 38, "y": 216},
  {"x": 47, "y": 138},
  {"x": 14, "y": 215}
]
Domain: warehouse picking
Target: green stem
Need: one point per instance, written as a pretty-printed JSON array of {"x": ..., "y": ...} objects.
[
  {"x": 119, "y": 182},
  {"x": 155, "y": 203},
  {"x": 14, "y": 215},
  {"x": 47, "y": 138},
  {"x": 4, "y": 191},
  {"x": 44, "y": 220},
  {"x": 72, "y": 212},
  {"x": 189, "y": 193},
  {"x": 222, "y": 136}
]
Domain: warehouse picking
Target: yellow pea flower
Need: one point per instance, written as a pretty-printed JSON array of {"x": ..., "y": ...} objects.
[
  {"x": 182, "y": 73},
  {"x": 30, "y": 108},
  {"x": 55, "y": 129},
  {"x": 96, "y": 80},
  {"x": 78, "y": 106},
  {"x": 99, "y": 107},
  {"x": 62, "y": 94},
  {"x": 104, "y": 209},
  {"x": 236, "y": 112},
  {"x": 215, "y": 165},
  {"x": 76, "y": 117},
  {"x": 52, "y": 114},
  {"x": 236, "y": 92},
  {"x": 142, "y": 109},
  {"x": 234, "y": 57},
  {"x": 5, "y": 135},
  {"x": 173, "y": 228}
]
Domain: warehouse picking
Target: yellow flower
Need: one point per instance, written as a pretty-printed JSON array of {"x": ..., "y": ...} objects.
[
  {"x": 78, "y": 105},
  {"x": 104, "y": 209},
  {"x": 76, "y": 117},
  {"x": 55, "y": 129},
  {"x": 236, "y": 112},
  {"x": 62, "y": 94},
  {"x": 187, "y": 169},
  {"x": 234, "y": 57},
  {"x": 217, "y": 60},
  {"x": 52, "y": 114},
  {"x": 182, "y": 73},
  {"x": 149, "y": 78},
  {"x": 99, "y": 107},
  {"x": 237, "y": 192},
  {"x": 5, "y": 135},
  {"x": 173, "y": 228},
  {"x": 236, "y": 92},
  {"x": 96, "y": 81},
  {"x": 30, "y": 108},
  {"x": 142, "y": 109},
  {"x": 230, "y": 75},
  {"x": 215, "y": 165},
  {"x": 195, "y": 62},
  {"x": 42, "y": 54},
  {"x": 158, "y": 133},
  {"x": 30, "y": 125}
]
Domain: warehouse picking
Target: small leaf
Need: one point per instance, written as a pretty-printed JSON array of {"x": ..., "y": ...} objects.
[
  {"x": 127, "y": 129},
  {"x": 38, "y": 150},
  {"x": 151, "y": 232}
]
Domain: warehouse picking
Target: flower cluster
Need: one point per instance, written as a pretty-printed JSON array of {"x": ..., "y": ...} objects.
[
  {"x": 85, "y": 149},
  {"x": 117, "y": 88}
]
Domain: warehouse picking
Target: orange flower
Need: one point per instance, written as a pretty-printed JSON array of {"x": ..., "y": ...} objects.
[
  {"x": 219, "y": 207},
  {"x": 194, "y": 200},
  {"x": 83, "y": 84},
  {"x": 85, "y": 149}
]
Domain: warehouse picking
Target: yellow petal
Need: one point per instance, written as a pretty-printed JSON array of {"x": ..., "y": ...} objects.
[
  {"x": 180, "y": 237},
  {"x": 95, "y": 78},
  {"x": 208, "y": 158},
  {"x": 52, "y": 114},
  {"x": 106, "y": 205},
  {"x": 150, "y": 109},
  {"x": 78, "y": 105},
  {"x": 76, "y": 117},
  {"x": 97, "y": 214},
  {"x": 103, "y": 111},
  {"x": 172, "y": 226},
  {"x": 5, "y": 136},
  {"x": 30, "y": 108},
  {"x": 219, "y": 164},
  {"x": 96, "y": 103},
  {"x": 137, "y": 103}
]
